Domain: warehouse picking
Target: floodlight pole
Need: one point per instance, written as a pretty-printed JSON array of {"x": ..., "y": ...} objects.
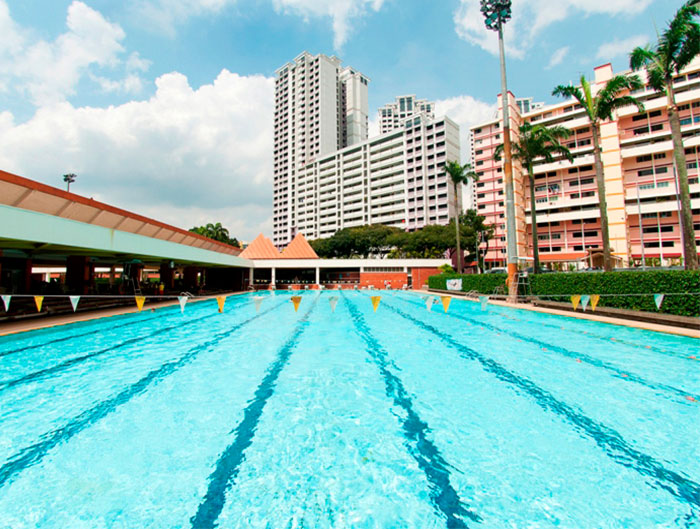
[{"x": 497, "y": 12}]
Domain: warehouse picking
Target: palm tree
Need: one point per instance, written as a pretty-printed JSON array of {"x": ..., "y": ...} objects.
[
  {"x": 537, "y": 142},
  {"x": 69, "y": 178},
  {"x": 459, "y": 174},
  {"x": 677, "y": 46},
  {"x": 599, "y": 107}
]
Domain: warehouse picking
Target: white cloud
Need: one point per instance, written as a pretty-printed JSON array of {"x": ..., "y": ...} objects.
[
  {"x": 184, "y": 156},
  {"x": 531, "y": 17},
  {"x": 50, "y": 71},
  {"x": 619, "y": 47},
  {"x": 341, "y": 12},
  {"x": 557, "y": 57}
]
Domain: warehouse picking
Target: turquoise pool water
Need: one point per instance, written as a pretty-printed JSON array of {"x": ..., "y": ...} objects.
[{"x": 403, "y": 417}]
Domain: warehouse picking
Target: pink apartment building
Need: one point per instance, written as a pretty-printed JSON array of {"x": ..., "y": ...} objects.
[{"x": 639, "y": 175}]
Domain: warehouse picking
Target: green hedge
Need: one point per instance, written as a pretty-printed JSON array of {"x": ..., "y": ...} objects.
[
  {"x": 646, "y": 283},
  {"x": 626, "y": 282},
  {"x": 482, "y": 283}
]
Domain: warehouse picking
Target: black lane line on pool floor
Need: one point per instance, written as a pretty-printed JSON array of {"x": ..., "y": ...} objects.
[
  {"x": 78, "y": 335},
  {"x": 623, "y": 375},
  {"x": 227, "y": 466},
  {"x": 445, "y": 498},
  {"x": 52, "y": 370},
  {"x": 32, "y": 454},
  {"x": 612, "y": 443}
]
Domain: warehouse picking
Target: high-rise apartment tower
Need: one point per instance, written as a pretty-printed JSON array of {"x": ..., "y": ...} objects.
[{"x": 320, "y": 107}]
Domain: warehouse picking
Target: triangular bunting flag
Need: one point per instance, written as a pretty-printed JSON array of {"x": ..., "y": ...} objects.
[
  {"x": 445, "y": 302},
  {"x": 221, "y": 300},
  {"x": 584, "y": 301},
  {"x": 74, "y": 302},
  {"x": 429, "y": 302},
  {"x": 375, "y": 302},
  {"x": 182, "y": 300},
  {"x": 658, "y": 300},
  {"x": 333, "y": 300},
  {"x": 139, "y": 301},
  {"x": 296, "y": 300},
  {"x": 257, "y": 300},
  {"x": 575, "y": 299},
  {"x": 595, "y": 298},
  {"x": 6, "y": 301},
  {"x": 484, "y": 302},
  {"x": 38, "y": 300}
]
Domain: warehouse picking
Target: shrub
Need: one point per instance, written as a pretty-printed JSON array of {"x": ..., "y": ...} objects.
[
  {"x": 644, "y": 283},
  {"x": 482, "y": 283},
  {"x": 560, "y": 286}
]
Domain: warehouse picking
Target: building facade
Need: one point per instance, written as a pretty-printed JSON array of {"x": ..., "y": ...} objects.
[
  {"x": 640, "y": 180},
  {"x": 320, "y": 107},
  {"x": 328, "y": 175},
  {"x": 392, "y": 115},
  {"x": 395, "y": 179}
]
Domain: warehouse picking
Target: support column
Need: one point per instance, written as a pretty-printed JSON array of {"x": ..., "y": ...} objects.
[
  {"x": 27, "y": 276},
  {"x": 167, "y": 278},
  {"x": 273, "y": 278},
  {"x": 190, "y": 277},
  {"x": 79, "y": 274},
  {"x": 318, "y": 276},
  {"x": 251, "y": 276}
]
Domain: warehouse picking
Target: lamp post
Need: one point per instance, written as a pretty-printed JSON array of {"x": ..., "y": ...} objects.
[
  {"x": 69, "y": 178},
  {"x": 497, "y": 13}
]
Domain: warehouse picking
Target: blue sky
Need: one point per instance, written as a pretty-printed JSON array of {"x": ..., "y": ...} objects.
[{"x": 165, "y": 106}]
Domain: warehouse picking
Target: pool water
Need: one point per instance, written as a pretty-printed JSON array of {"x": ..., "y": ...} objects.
[{"x": 353, "y": 418}]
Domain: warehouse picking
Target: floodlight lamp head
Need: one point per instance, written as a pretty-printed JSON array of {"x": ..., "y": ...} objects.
[{"x": 496, "y": 12}]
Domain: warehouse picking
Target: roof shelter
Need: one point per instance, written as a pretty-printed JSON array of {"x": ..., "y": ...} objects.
[{"x": 43, "y": 225}]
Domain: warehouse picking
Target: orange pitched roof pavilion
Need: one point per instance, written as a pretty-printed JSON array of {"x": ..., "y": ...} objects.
[
  {"x": 299, "y": 248},
  {"x": 260, "y": 248}
]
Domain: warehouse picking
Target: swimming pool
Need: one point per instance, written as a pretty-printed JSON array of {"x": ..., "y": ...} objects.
[{"x": 315, "y": 418}]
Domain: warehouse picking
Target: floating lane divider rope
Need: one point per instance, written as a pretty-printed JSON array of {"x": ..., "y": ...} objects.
[
  {"x": 548, "y": 347},
  {"x": 415, "y": 430},
  {"x": 227, "y": 466},
  {"x": 33, "y": 454},
  {"x": 609, "y": 440}
]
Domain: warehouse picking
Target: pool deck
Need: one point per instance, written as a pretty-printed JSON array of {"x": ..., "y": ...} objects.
[
  {"x": 662, "y": 328},
  {"x": 9, "y": 328}
]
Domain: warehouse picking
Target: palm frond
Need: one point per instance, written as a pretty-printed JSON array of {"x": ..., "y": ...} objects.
[{"x": 642, "y": 56}]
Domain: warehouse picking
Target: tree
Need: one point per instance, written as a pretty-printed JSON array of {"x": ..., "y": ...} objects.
[
  {"x": 480, "y": 233},
  {"x": 216, "y": 232},
  {"x": 360, "y": 241},
  {"x": 599, "y": 107},
  {"x": 537, "y": 142},
  {"x": 459, "y": 174},
  {"x": 676, "y": 47},
  {"x": 69, "y": 178}
]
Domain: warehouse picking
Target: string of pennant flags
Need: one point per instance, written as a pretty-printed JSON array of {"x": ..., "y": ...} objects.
[{"x": 583, "y": 300}]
